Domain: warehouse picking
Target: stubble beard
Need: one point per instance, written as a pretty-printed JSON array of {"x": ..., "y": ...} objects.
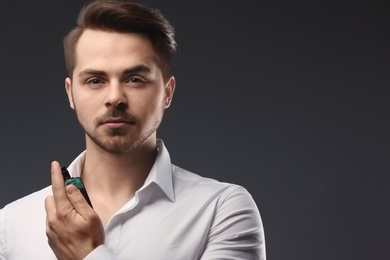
[{"x": 119, "y": 140}]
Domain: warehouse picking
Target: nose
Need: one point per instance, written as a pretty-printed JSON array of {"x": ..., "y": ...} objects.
[{"x": 116, "y": 96}]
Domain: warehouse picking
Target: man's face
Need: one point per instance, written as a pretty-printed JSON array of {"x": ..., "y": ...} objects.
[{"x": 117, "y": 90}]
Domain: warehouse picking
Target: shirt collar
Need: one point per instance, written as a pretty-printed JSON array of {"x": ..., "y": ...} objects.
[{"x": 160, "y": 174}]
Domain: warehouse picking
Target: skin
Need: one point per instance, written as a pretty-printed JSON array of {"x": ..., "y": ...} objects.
[{"x": 119, "y": 95}]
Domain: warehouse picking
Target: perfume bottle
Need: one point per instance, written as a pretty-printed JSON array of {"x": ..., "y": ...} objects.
[{"x": 76, "y": 181}]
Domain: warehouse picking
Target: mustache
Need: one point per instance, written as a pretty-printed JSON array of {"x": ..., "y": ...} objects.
[{"x": 117, "y": 115}]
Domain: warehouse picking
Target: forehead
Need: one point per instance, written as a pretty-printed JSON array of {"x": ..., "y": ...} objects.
[{"x": 100, "y": 49}]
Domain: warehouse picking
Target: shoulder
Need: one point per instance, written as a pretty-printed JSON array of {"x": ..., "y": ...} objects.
[
  {"x": 29, "y": 203},
  {"x": 24, "y": 220},
  {"x": 26, "y": 213},
  {"x": 221, "y": 192},
  {"x": 234, "y": 216},
  {"x": 184, "y": 179},
  {"x": 187, "y": 177}
]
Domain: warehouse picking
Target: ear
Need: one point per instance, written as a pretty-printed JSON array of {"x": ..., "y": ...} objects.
[
  {"x": 68, "y": 88},
  {"x": 169, "y": 89}
]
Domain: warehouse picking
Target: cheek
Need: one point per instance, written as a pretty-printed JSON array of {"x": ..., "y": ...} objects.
[
  {"x": 148, "y": 102},
  {"x": 86, "y": 102},
  {"x": 84, "y": 108}
]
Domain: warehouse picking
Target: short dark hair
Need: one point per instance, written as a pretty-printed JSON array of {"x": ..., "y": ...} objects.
[{"x": 122, "y": 16}]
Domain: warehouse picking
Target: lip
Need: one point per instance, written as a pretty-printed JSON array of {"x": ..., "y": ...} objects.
[{"x": 117, "y": 122}]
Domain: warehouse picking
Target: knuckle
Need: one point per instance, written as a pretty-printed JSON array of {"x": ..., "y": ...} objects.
[
  {"x": 94, "y": 218},
  {"x": 76, "y": 200},
  {"x": 51, "y": 225},
  {"x": 48, "y": 200},
  {"x": 61, "y": 215},
  {"x": 48, "y": 233}
]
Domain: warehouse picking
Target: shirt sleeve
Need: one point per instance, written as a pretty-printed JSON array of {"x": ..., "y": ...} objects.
[
  {"x": 237, "y": 230},
  {"x": 2, "y": 236},
  {"x": 100, "y": 253}
]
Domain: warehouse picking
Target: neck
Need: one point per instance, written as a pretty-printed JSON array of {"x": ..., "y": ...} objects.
[{"x": 117, "y": 176}]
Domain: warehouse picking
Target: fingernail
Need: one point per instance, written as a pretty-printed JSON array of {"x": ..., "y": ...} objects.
[{"x": 71, "y": 189}]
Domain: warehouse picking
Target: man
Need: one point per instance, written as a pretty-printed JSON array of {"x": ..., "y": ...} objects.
[{"x": 119, "y": 84}]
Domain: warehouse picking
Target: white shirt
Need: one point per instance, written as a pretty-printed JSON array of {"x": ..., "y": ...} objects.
[{"x": 175, "y": 215}]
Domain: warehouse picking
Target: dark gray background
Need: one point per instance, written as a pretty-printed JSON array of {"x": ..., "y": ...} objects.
[{"x": 287, "y": 98}]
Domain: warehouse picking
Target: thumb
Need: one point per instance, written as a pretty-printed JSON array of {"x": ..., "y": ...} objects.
[{"x": 77, "y": 199}]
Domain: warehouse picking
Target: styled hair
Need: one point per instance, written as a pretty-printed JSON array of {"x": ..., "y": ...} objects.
[{"x": 124, "y": 17}]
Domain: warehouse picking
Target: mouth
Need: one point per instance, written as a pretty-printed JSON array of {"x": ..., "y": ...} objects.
[{"x": 117, "y": 122}]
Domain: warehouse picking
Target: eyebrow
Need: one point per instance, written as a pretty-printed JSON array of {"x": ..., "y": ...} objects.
[{"x": 136, "y": 69}]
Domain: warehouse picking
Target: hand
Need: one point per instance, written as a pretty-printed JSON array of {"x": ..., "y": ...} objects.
[{"x": 73, "y": 228}]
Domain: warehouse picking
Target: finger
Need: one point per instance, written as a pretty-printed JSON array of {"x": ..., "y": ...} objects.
[
  {"x": 50, "y": 205},
  {"x": 78, "y": 201},
  {"x": 58, "y": 186},
  {"x": 50, "y": 208}
]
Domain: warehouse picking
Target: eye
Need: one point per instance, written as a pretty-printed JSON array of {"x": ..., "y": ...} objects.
[
  {"x": 94, "y": 81},
  {"x": 135, "y": 80}
]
